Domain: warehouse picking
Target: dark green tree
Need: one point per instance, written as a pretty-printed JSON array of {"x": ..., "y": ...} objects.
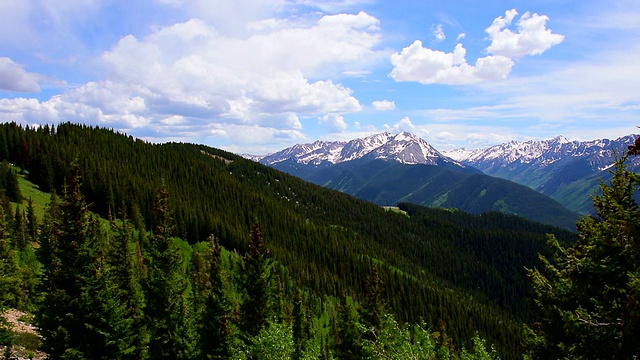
[
  {"x": 168, "y": 311},
  {"x": 19, "y": 229},
  {"x": 348, "y": 342},
  {"x": 374, "y": 307},
  {"x": 32, "y": 221},
  {"x": 9, "y": 182},
  {"x": 215, "y": 328},
  {"x": 587, "y": 297},
  {"x": 256, "y": 284},
  {"x": 71, "y": 317},
  {"x": 300, "y": 326},
  {"x": 126, "y": 302},
  {"x": 10, "y": 293}
]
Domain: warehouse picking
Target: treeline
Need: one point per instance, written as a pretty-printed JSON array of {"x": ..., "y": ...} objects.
[{"x": 327, "y": 243}]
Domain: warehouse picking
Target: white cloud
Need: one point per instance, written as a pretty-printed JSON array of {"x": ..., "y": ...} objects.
[
  {"x": 427, "y": 66},
  {"x": 13, "y": 77},
  {"x": 461, "y": 36},
  {"x": 192, "y": 64},
  {"x": 532, "y": 37},
  {"x": 383, "y": 105},
  {"x": 404, "y": 124},
  {"x": 438, "y": 32},
  {"x": 190, "y": 81},
  {"x": 333, "y": 122}
]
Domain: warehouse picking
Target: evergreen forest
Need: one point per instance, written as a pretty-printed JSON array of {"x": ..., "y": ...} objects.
[{"x": 182, "y": 251}]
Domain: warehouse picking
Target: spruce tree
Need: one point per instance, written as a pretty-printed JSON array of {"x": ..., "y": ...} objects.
[
  {"x": 130, "y": 335},
  {"x": 374, "y": 308},
  {"x": 215, "y": 327},
  {"x": 348, "y": 342},
  {"x": 256, "y": 282},
  {"x": 71, "y": 317},
  {"x": 32, "y": 221},
  {"x": 168, "y": 312},
  {"x": 300, "y": 326},
  {"x": 9, "y": 267},
  {"x": 588, "y": 297}
]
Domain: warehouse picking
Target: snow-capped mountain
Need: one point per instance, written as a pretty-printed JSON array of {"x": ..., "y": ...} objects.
[
  {"x": 387, "y": 169},
  {"x": 568, "y": 171},
  {"x": 405, "y": 148},
  {"x": 542, "y": 153}
]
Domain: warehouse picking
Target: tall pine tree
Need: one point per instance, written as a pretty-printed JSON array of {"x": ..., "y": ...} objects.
[
  {"x": 71, "y": 317},
  {"x": 126, "y": 302},
  {"x": 256, "y": 282},
  {"x": 168, "y": 312},
  {"x": 348, "y": 337},
  {"x": 588, "y": 297},
  {"x": 9, "y": 266},
  {"x": 215, "y": 327}
]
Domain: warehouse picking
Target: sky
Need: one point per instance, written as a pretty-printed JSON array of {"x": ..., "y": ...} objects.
[{"x": 257, "y": 76}]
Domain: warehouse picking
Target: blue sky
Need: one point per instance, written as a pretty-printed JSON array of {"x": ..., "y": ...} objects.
[{"x": 256, "y": 76}]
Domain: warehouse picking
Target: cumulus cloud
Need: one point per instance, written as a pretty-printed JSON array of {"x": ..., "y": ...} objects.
[
  {"x": 532, "y": 37},
  {"x": 404, "y": 124},
  {"x": 383, "y": 105},
  {"x": 13, "y": 77},
  {"x": 333, "y": 122},
  {"x": 427, "y": 66},
  {"x": 191, "y": 81},
  {"x": 192, "y": 64}
]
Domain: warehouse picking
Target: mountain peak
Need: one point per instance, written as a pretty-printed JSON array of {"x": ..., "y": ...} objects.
[
  {"x": 560, "y": 139},
  {"x": 403, "y": 147}
]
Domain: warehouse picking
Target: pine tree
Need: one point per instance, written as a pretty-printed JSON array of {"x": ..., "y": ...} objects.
[
  {"x": 19, "y": 229},
  {"x": 348, "y": 336},
  {"x": 374, "y": 305},
  {"x": 169, "y": 316},
  {"x": 216, "y": 331},
  {"x": 256, "y": 282},
  {"x": 9, "y": 267},
  {"x": 70, "y": 316},
  {"x": 127, "y": 300},
  {"x": 9, "y": 182},
  {"x": 32, "y": 221},
  {"x": 300, "y": 326},
  {"x": 587, "y": 298}
]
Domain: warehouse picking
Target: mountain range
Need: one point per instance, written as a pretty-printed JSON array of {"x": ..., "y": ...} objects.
[
  {"x": 386, "y": 168},
  {"x": 568, "y": 171}
]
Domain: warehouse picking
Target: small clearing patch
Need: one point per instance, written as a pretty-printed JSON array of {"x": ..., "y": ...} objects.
[{"x": 395, "y": 209}]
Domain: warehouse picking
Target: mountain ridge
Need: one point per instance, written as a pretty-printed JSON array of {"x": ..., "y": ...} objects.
[
  {"x": 403, "y": 147},
  {"x": 565, "y": 170},
  {"x": 387, "y": 169}
]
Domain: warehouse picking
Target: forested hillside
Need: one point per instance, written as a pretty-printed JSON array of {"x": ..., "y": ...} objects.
[
  {"x": 461, "y": 274},
  {"x": 444, "y": 185}
]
